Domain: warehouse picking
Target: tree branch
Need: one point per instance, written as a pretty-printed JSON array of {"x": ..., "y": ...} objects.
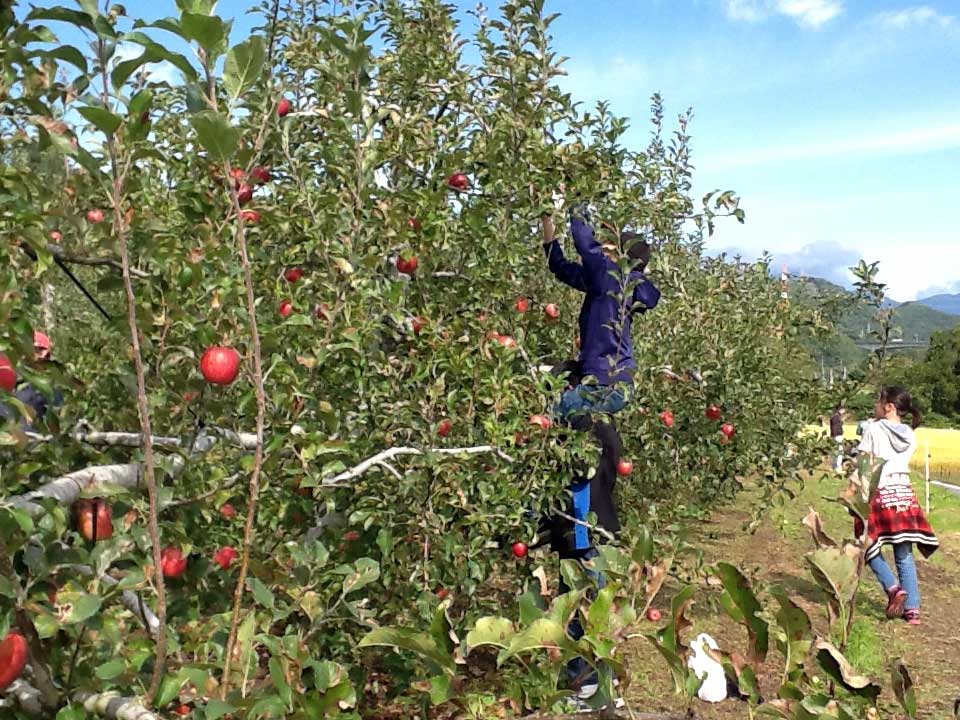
[
  {"x": 104, "y": 261},
  {"x": 390, "y": 453}
]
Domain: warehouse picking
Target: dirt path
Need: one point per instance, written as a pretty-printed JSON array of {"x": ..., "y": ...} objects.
[{"x": 775, "y": 554}]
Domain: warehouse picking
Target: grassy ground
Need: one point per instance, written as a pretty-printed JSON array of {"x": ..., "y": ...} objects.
[{"x": 775, "y": 554}]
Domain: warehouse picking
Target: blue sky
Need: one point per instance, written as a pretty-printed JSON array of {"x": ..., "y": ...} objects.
[{"x": 837, "y": 121}]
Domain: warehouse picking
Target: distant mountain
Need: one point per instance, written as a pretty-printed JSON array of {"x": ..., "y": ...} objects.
[
  {"x": 949, "y": 304},
  {"x": 913, "y": 321}
]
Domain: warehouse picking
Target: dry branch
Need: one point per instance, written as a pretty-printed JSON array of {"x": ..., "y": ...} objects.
[
  {"x": 113, "y": 707},
  {"x": 390, "y": 453}
]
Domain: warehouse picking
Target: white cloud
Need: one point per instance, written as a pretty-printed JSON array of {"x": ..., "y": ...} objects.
[
  {"x": 909, "y": 141},
  {"x": 810, "y": 13},
  {"x": 745, "y": 10},
  {"x": 807, "y": 13},
  {"x": 922, "y": 15}
]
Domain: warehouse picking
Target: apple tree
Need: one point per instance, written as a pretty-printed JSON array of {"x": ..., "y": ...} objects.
[{"x": 347, "y": 201}]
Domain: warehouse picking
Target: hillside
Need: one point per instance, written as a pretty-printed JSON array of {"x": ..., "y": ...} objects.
[
  {"x": 913, "y": 322},
  {"x": 945, "y": 303}
]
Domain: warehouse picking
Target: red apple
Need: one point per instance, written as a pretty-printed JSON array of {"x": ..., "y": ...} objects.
[
  {"x": 519, "y": 550},
  {"x": 444, "y": 428},
  {"x": 228, "y": 511},
  {"x": 522, "y": 305},
  {"x": 351, "y": 536},
  {"x": 220, "y": 365},
  {"x": 666, "y": 417},
  {"x": 458, "y": 181},
  {"x": 95, "y": 215},
  {"x": 94, "y": 519},
  {"x": 418, "y": 324},
  {"x": 728, "y": 430},
  {"x": 224, "y": 557},
  {"x": 624, "y": 468},
  {"x": 653, "y": 615},
  {"x": 507, "y": 341},
  {"x": 542, "y": 420},
  {"x": 172, "y": 562},
  {"x": 55, "y": 235},
  {"x": 442, "y": 593},
  {"x": 713, "y": 412},
  {"x": 285, "y": 309},
  {"x": 13, "y": 658},
  {"x": 293, "y": 274},
  {"x": 250, "y": 216},
  {"x": 8, "y": 376},
  {"x": 551, "y": 311},
  {"x": 190, "y": 395},
  {"x": 284, "y": 107},
  {"x": 182, "y": 710},
  {"x": 407, "y": 266},
  {"x": 244, "y": 194},
  {"x": 237, "y": 175},
  {"x": 260, "y": 175},
  {"x": 414, "y": 224}
]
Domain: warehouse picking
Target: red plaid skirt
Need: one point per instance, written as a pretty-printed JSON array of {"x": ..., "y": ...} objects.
[{"x": 896, "y": 517}]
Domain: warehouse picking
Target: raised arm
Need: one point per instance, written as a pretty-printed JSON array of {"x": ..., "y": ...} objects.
[
  {"x": 567, "y": 272},
  {"x": 595, "y": 264}
]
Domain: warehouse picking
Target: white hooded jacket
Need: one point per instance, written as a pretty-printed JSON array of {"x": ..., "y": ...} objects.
[{"x": 894, "y": 443}]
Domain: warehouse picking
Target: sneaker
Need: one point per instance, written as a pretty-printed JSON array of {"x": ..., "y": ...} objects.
[
  {"x": 896, "y": 599},
  {"x": 587, "y": 690},
  {"x": 912, "y": 617}
]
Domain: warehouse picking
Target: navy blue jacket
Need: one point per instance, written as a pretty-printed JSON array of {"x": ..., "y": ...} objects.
[{"x": 606, "y": 350}]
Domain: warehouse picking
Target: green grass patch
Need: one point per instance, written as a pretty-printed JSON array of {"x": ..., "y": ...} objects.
[{"x": 865, "y": 647}]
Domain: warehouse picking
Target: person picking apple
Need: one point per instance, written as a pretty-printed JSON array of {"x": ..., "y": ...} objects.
[
  {"x": 30, "y": 396},
  {"x": 606, "y": 349}
]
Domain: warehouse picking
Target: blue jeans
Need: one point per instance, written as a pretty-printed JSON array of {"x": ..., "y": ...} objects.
[
  {"x": 906, "y": 569},
  {"x": 584, "y": 399}
]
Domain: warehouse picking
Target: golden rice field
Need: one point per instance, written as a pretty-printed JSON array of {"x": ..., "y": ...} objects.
[{"x": 942, "y": 445}]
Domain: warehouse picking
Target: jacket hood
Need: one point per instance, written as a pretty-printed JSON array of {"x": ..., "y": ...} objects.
[{"x": 900, "y": 435}]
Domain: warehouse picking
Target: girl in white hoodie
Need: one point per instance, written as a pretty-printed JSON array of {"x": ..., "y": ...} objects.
[{"x": 896, "y": 517}]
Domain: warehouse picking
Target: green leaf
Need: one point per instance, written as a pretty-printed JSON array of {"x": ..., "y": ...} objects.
[
  {"x": 110, "y": 670},
  {"x": 140, "y": 102},
  {"x": 82, "y": 606},
  {"x": 489, "y": 630},
  {"x": 261, "y": 593},
  {"x": 123, "y": 70},
  {"x": 216, "y": 135},
  {"x": 47, "y": 625},
  {"x": 101, "y": 118},
  {"x": 365, "y": 571},
  {"x": 243, "y": 65},
  {"x": 739, "y": 590},
  {"x": 71, "y": 712},
  {"x": 416, "y": 642},
  {"x": 176, "y": 59},
  {"x": 543, "y": 634},
  {"x": 169, "y": 689},
  {"x": 208, "y": 31},
  {"x": 62, "y": 14},
  {"x": 69, "y": 54},
  {"x": 902, "y": 685},
  {"x": 798, "y": 630},
  {"x": 215, "y": 709}
]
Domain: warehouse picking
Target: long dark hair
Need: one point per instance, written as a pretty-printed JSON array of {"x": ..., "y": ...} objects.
[{"x": 903, "y": 402}]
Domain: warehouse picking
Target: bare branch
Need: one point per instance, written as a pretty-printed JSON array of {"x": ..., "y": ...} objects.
[
  {"x": 20, "y": 694},
  {"x": 596, "y": 528},
  {"x": 390, "y": 453},
  {"x": 104, "y": 261},
  {"x": 67, "y": 489},
  {"x": 112, "y": 706}
]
